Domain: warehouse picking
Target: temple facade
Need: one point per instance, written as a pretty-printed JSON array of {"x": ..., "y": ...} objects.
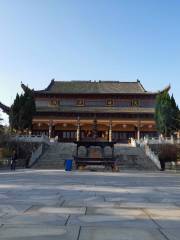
[{"x": 70, "y": 110}]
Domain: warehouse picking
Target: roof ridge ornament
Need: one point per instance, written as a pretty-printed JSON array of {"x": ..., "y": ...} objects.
[
  {"x": 167, "y": 88},
  {"x": 25, "y": 87},
  {"x": 50, "y": 85},
  {"x": 140, "y": 84}
]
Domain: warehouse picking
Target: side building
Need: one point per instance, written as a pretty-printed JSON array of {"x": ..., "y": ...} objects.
[{"x": 69, "y": 110}]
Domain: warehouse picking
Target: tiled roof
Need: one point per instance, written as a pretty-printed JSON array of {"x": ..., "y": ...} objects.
[{"x": 94, "y": 87}]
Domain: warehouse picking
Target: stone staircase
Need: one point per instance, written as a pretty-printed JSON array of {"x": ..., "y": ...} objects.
[
  {"x": 55, "y": 155},
  {"x": 128, "y": 157}
]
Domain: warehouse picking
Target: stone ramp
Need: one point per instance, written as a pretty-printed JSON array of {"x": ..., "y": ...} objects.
[{"x": 128, "y": 157}]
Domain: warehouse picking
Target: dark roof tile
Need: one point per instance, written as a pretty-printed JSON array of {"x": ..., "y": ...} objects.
[{"x": 93, "y": 87}]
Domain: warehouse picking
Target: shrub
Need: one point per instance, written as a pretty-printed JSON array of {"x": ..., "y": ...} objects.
[
  {"x": 165, "y": 152},
  {"x": 5, "y": 153}
]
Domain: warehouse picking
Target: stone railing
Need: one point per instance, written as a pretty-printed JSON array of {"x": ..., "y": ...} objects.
[
  {"x": 154, "y": 158},
  {"x": 36, "y": 155},
  {"x": 143, "y": 143},
  {"x": 148, "y": 141},
  {"x": 146, "y": 144},
  {"x": 31, "y": 138}
]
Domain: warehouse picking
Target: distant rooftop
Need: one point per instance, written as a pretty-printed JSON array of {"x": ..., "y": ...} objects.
[{"x": 93, "y": 87}]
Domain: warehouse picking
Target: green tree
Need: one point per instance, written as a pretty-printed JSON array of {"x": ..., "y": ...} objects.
[
  {"x": 27, "y": 110},
  {"x": 166, "y": 114},
  {"x": 175, "y": 115},
  {"x": 1, "y": 126},
  {"x": 22, "y": 111},
  {"x": 14, "y": 114}
]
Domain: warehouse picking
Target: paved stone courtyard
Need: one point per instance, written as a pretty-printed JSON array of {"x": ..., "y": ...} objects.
[{"x": 47, "y": 204}]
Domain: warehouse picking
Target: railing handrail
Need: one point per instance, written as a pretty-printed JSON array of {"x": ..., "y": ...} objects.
[
  {"x": 36, "y": 155},
  {"x": 31, "y": 138},
  {"x": 146, "y": 141}
]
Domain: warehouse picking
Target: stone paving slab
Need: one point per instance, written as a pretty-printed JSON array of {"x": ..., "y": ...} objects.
[
  {"x": 30, "y": 202},
  {"x": 48, "y": 204},
  {"x": 149, "y": 205},
  {"x": 125, "y": 199},
  {"x": 24, "y": 232},
  {"x": 166, "y": 223},
  {"x": 13, "y": 208},
  {"x": 164, "y": 213},
  {"x": 35, "y": 219},
  {"x": 172, "y": 234},
  {"x": 124, "y": 213},
  {"x": 3, "y": 196},
  {"x": 80, "y": 203},
  {"x": 57, "y": 210},
  {"x": 100, "y": 233},
  {"x": 111, "y": 220},
  {"x": 31, "y": 198},
  {"x": 71, "y": 195}
]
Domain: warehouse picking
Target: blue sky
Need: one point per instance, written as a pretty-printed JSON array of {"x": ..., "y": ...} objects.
[{"x": 89, "y": 39}]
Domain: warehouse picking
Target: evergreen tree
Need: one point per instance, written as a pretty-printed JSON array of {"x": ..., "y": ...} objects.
[
  {"x": 175, "y": 115},
  {"x": 14, "y": 114},
  {"x": 1, "y": 126},
  {"x": 166, "y": 114},
  {"x": 163, "y": 113},
  {"x": 22, "y": 111},
  {"x": 27, "y": 110}
]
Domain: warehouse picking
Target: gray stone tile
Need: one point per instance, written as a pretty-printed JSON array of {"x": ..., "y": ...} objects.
[
  {"x": 57, "y": 210},
  {"x": 88, "y": 201},
  {"x": 39, "y": 233},
  {"x": 81, "y": 203},
  {"x": 100, "y": 233},
  {"x": 71, "y": 195},
  {"x": 111, "y": 220},
  {"x": 148, "y": 205},
  {"x": 30, "y": 202},
  {"x": 3, "y": 196},
  {"x": 165, "y": 217},
  {"x": 172, "y": 234},
  {"x": 164, "y": 213},
  {"x": 35, "y": 219},
  {"x": 124, "y": 213},
  {"x": 13, "y": 208},
  {"x": 139, "y": 201},
  {"x": 167, "y": 223},
  {"x": 125, "y": 199}
]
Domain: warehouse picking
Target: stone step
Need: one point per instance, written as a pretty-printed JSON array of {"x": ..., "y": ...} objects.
[{"x": 127, "y": 157}]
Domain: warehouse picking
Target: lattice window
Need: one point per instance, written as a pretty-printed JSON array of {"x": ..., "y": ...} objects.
[
  {"x": 135, "y": 103},
  {"x": 80, "y": 102},
  {"x": 53, "y": 102},
  {"x": 109, "y": 102}
]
